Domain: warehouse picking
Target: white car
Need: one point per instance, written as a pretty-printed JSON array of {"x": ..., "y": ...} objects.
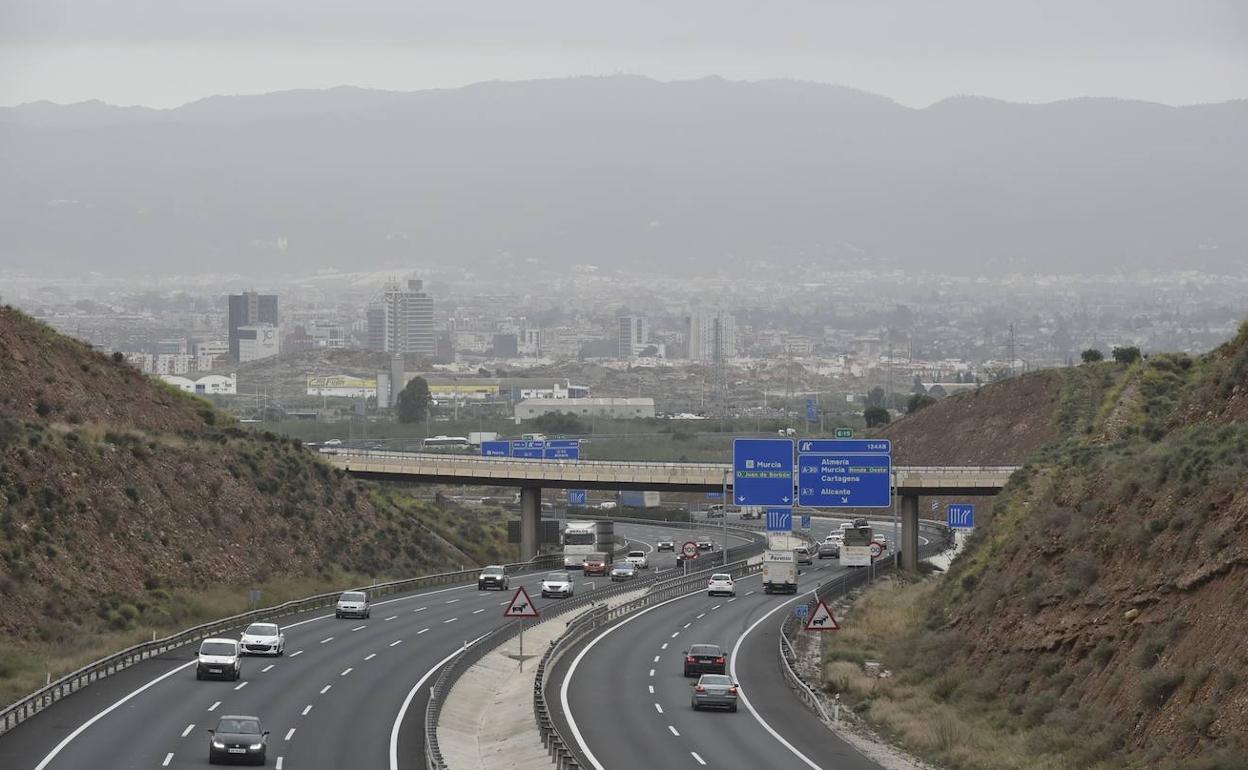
[
  {"x": 638, "y": 559},
  {"x": 353, "y": 604},
  {"x": 557, "y": 584},
  {"x": 721, "y": 583},
  {"x": 835, "y": 537},
  {"x": 219, "y": 658},
  {"x": 263, "y": 639},
  {"x": 665, "y": 545}
]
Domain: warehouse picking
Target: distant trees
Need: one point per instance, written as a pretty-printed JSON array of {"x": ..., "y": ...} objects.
[
  {"x": 1091, "y": 356},
  {"x": 875, "y": 397},
  {"x": 918, "y": 401},
  {"x": 937, "y": 391},
  {"x": 559, "y": 423},
  {"x": 414, "y": 401},
  {"x": 918, "y": 386},
  {"x": 1126, "y": 356},
  {"x": 876, "y": 416}
]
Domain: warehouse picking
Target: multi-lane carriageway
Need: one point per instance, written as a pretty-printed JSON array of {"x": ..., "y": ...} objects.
[{"x": 347, "y": 694}]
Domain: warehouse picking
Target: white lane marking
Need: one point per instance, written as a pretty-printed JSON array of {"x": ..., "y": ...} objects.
[
  {"x": 327, "y": 640},
  {"x": 290, "y": 733},
  {"x": 701, "y": 761},
  {"x": 82, "y": 727},
  {"x": 450, "y": 620},
  {"x": 396, "y": 642},
  {"x": 478, "y": 612},
  {"x": 279, "y": 763},
  {"x": 749, "y": 593},
  {"x": 325, "y": 689},
  {"x": 717, "y": 606},
  {"x": 673, "y": 729},
  {"x": 651, "y": 689},
  {"x": 733, "y": 599},
  {"x": 421, "y": 631},
  {"x": 422, "y": 609},
  {"x": 168, "y": 759},
  {"x": 188, "y": 729},
  {"x": 213, "y": 707},
  {"x": 676, "y": 634},
  {"x": 701, "y": 616},
  {"x": 451, "y": 601},
  {"x": 267, "y": 668},
  {"x": 503, "y": 604},
  {"x": 296, "y": 653},
  {"x": 690, "y": 623},
  {"x": 370, "y": 656},
  {"x": 732, "y": 669},
  {"x": 651, "y": 672},
  {"x": 656, "y": 658},
  {"x": 407, "y": 702},
  {"x": 240, "y": 685},
  {"x": 346, "y": 671},
  {"x": 359, "y": 628},
  {"x": 658, "y": 708},
  {"x": 306, "y": 709},
  {"x": 392, "y": 617},
  {"x": 664, "y": 647}
]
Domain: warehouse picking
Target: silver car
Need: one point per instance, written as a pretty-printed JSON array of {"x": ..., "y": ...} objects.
[
  {"x": 353, "y": 604},
  {"x": 623, "y": 571},
  {"x": 714, "y": 691},
  {"x": 557, "y": 584}
]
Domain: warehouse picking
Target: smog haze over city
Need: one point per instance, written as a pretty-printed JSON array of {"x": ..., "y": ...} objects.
[{"x": 308, "y": 303}]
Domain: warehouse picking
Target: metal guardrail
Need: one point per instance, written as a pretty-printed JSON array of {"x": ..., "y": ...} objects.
[
  {"x": 661, "y": 585},
  {"x": 18, "y": 712},
  {"x": 841, "y": 584}
]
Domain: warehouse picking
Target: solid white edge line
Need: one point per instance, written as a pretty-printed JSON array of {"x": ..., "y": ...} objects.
[
  {"x": 407, "y": 702},
  {"x": 732, "y": 667},
  {"x": 82, "y": 727}
]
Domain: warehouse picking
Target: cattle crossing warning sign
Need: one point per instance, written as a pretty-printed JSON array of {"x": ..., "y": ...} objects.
[
  {"x": 520, "y": 606},
  {"x": 821, "y": 619}
]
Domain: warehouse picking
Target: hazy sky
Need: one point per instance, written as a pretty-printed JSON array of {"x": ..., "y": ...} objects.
[{"x": 167, "y": 52}]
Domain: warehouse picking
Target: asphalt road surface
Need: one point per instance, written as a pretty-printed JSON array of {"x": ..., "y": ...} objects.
[{"x": 347, "y": 694}]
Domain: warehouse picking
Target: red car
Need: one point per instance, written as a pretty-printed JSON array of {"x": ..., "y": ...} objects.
[{"x": 596, "y": 564}]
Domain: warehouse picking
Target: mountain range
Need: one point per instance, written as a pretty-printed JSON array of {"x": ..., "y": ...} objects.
[{"x": 685, "y": 177}]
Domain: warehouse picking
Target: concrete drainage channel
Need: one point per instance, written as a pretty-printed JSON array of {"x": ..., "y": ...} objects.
[{"x": 661, "y": 588}]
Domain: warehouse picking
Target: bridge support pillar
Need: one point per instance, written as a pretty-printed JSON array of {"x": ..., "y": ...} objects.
[
  {"x": 530, "y": 519},
  {"x": 910, "y": 532}
]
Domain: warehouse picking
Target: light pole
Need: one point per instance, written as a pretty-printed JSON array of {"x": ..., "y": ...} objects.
[{"x": 723, "y": 498}]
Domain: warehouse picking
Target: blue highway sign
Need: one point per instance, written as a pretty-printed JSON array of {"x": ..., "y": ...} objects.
[
  {"x": 860, "y": 446},
  {"x": 801, "y": 610},
  {"x": 961, "y": 515},
  {"x": 563, "y": 443},
  {"x": 562, "y": 453},
  {"x": 577, "y": 496},
  {"x": 805, "y": 521},
  {"x": 845, "y": 481},
  {"x": 812, "y": 410},
  {"x": 779, "y": 519},
  {"x": 762, "y": 471},
  {"x": 496, "y": 449},
  {"x": 532, "y": 450}
]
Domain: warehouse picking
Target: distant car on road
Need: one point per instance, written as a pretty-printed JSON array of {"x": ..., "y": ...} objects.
[
  {"x": 803, "y": 555},
  {"x": 715, "y": 512},
  {"x": 333, "y": 442},
  {"x": 353, "y": 604},
  {"x": 638, "y": 559},
  {"x": 665, "y": 545},
  {"x": 557, "y": 584},
  {"x": 623, "y": 571},
  {"x": 219, "y": 659},
  {"x": 237, "y": 738},
  {"x": 721, "y": 583},
  {"x": 828, "y": 549},
  {"x": 881, "y": 541},
  {"x": 493, "y": 576},
  {"x": 706, "y": 544},
  {"x": 714, "y": 691},
  {"x": 595, "y": 564},
  {"x": 705, "y": 659},
  {"x": 263, "y": 639}
]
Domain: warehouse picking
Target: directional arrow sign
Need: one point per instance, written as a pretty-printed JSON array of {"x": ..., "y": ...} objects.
[
  {"x": 779, "y": 519},
  {"x": 762, "y": 471},
  {"x": 821, "y": 619},
  {"x": 520, "y": 606},
  {"x": 844, "y": 481}
]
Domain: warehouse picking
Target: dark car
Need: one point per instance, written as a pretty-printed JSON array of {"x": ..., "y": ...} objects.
[
  {"x": 493, "y": 577},
  {"x": 705, "y": 659},
  {"x": 237, "y": 739},
  {"x": 665, "y": 545}
]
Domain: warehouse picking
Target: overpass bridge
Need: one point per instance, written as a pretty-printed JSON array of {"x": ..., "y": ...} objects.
[{"x": 531, "y": 476}]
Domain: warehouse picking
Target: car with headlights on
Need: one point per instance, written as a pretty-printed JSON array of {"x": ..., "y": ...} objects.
[
  {"x": 353, "y": 604},
  {"x": 493, "y": 576},
  {"x": 719, "y": 584},
  {"x": 705, "y": 659},
  {"x": 638, "y": 559},
  {"x": 623, "y": 571},
  {"x": 557, "y": 584},
  {"x": 706, "y": 544},
  {"x": 263, "y": 639},
  {"x": 596, "y": 564},
  {"x": 665, "y": 545},
  {"x": 714, "y": 691},
  {"x": 237, "y": 739},
  {"x": 219, "y": 659}
]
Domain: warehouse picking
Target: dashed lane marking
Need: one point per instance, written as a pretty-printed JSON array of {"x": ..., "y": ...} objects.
[
  {"x": 658, "y": 707},
  {"x": 370, "y": 656},
  {"x": 325, "y": 689},
  {"x": 421, "y": 631},
  {"x": 478, "y": 612},
  {"x": 346, "y": 671},
  {"x": 664, "y": 647},
  {"x": 279, "y": 763},
  {"x": 188, "y": 729},
  {"x": 168, "y": 759},
  {"x": 296, "y": 653},
  {"x": 651, "y": 672},
  {"x": 267, "y": 668},
  {"x": 392, "y": 617},
  {"x": 213, "y": 707},
  {"x": 450, "y": 620},
  {"x": 240, "y": 685},
  {"x": 700, "y": 760},
  {"x": 359, "y": 628},
  {"x": 327, "y": 640},
  {"x": 651, "y": 689},
  {"x": 290, "y": 733},
  {"x": 396, "y": 642},
  {"x": 673, "y": 729},
  {"x": 306, "y": 709}
]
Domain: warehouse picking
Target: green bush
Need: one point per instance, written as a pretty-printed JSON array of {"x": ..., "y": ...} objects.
[{"x": 1156, "y": 687}]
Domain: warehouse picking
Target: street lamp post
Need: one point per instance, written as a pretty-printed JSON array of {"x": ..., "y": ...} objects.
[{"x": 723, "y": 498}]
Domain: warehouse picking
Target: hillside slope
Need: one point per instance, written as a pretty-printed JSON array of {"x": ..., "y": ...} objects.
[
  {"x": 1100, "y": 605},
  {"x": 116, "y": 490}
]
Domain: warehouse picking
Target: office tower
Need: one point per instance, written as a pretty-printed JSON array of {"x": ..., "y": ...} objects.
[
  {"x": 401, "y": 321},
  {"x": 250, "y": 309},
  {"x": 711, "y": 337},
  {"x": 632, "y": 335}
]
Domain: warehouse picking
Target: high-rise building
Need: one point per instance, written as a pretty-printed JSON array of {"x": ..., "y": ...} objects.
[
  {"x": 256, "y": 342},
  {"x": 632, "y": 336},
  {"x": 401, "y": 321},
  {"x": 250, "y": 309},
  {"x": 711, "y": 336}
]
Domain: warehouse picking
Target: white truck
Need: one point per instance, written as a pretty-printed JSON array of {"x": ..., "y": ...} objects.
[
  {"x": 581, "y": 538},
  {"x": 780, "y": 564}
]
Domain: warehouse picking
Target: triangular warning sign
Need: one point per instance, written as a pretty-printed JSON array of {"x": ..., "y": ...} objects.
[
  {"x": 821, "y": 619},
  {"x": 520, "y": 606}
]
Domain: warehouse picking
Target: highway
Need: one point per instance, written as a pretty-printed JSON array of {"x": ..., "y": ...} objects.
[
  {"x": 622, "y": 698},
  {"x": 347, "y": 694}
]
